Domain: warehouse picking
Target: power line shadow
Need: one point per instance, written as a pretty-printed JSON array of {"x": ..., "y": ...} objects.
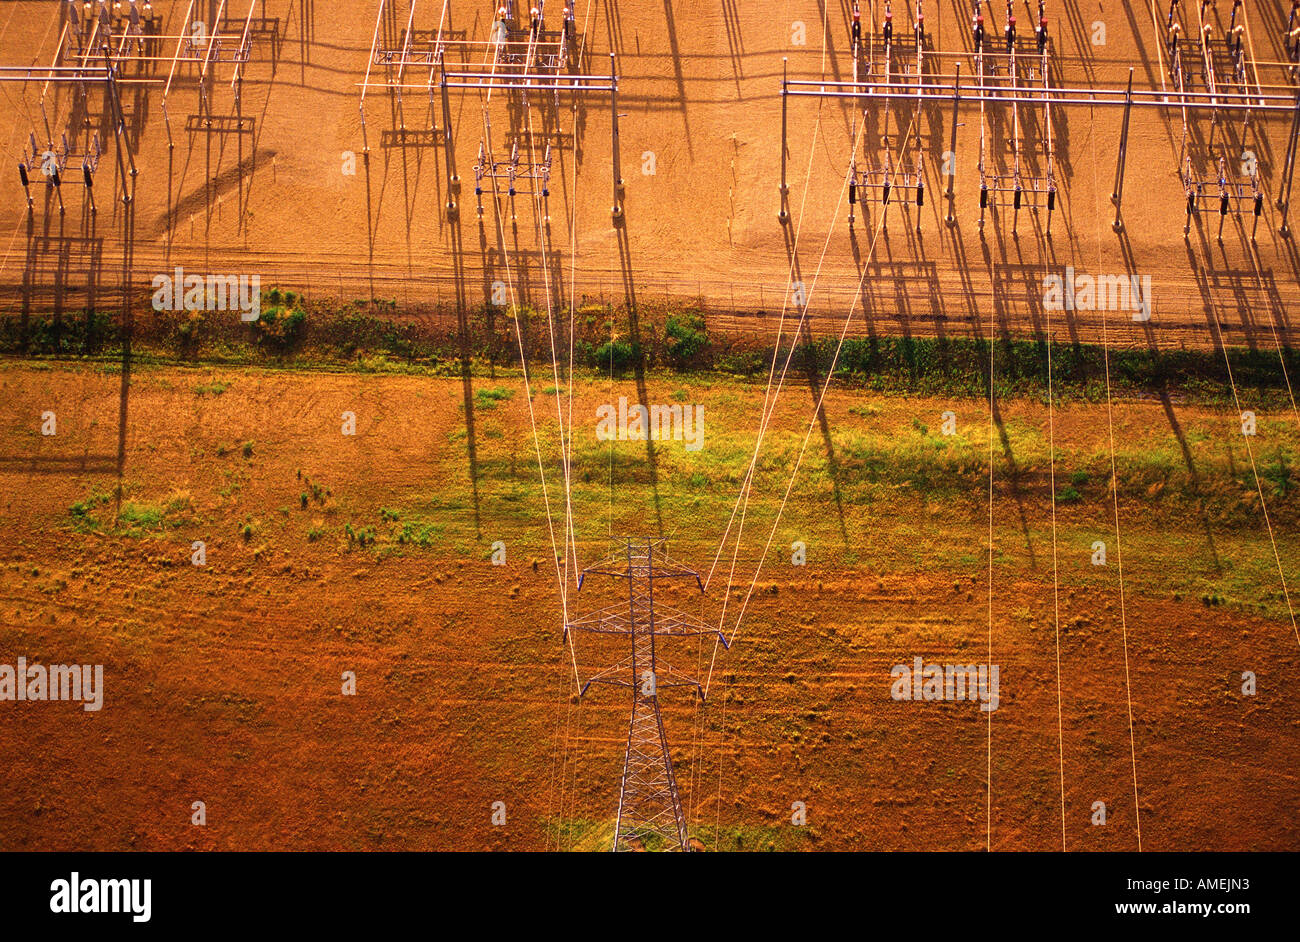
[
  {"x": 832, "y": 460},
  {"x": 1167, "y": 405}
]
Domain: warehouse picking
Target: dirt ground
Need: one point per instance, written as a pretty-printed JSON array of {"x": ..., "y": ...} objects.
[
  {"x": 699, "y": 95},
  {"x": 223, "y": 682}
]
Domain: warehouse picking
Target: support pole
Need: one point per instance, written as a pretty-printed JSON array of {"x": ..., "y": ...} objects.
[
  {"x": 1117, "y": 194},
  {"x": 784, "y": 214},
  {"x": 449, "y": 151},
  {"x": 951, "y": 220},
  {"x": 1224, "y": 197},
  {"x": 22, "y": 175},
  {"x": 617, "y": 211},
  {"x": 853, "y": 167},
  {"x": 1288, "y": 170}
]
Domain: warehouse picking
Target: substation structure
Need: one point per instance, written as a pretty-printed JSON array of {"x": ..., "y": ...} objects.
[
  {"x": 527, "y": 59},
  {"x": 903, "y": 87}
]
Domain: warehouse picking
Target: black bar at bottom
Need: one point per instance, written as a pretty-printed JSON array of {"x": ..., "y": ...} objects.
[{"x": 928, "y": 892}]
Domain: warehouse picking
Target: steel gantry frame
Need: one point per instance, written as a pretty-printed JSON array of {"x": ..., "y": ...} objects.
[
  {"x": 83, "y": 62},
  {"x": 1021, "y": 63},
  {"x": 902, "y": 56},
  {"x": 649, "y": 803},
  {"x": 416, "y": 47},
  {"x": 52, "y": 163},
  {"x": 1214, "y": 64},
  {"x": 516, "y": 59},
  {"x": 1013, "y": 91},
  {"x": 130, "y": 38}
]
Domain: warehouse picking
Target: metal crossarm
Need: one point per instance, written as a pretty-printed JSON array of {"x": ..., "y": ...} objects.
[
  {"x": 520, "y": 175},
  {"x": 1222, "y": 194}
]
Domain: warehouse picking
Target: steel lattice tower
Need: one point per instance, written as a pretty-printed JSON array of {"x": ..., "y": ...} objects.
[{"x": 648, "y": 801}]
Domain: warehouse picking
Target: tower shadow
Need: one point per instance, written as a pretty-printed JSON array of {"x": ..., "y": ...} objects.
[
  {"x": 464, "y": 335},
  {"x": 638, "y": 361}
]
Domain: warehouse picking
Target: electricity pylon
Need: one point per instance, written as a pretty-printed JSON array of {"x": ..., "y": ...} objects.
[{"x": 648, "y": 800}]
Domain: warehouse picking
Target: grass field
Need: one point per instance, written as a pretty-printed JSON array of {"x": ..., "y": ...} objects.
[{"x": 372, "y": 553}]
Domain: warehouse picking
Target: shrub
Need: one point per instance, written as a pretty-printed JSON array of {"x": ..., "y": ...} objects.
[
  {"x": 617, "y": 355},
  {"x": 281, "y": 324},
  {"x": 687, "y": 338},
  {"x": 487, "y": 399},
  {"x": 143, "y": 516}
]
